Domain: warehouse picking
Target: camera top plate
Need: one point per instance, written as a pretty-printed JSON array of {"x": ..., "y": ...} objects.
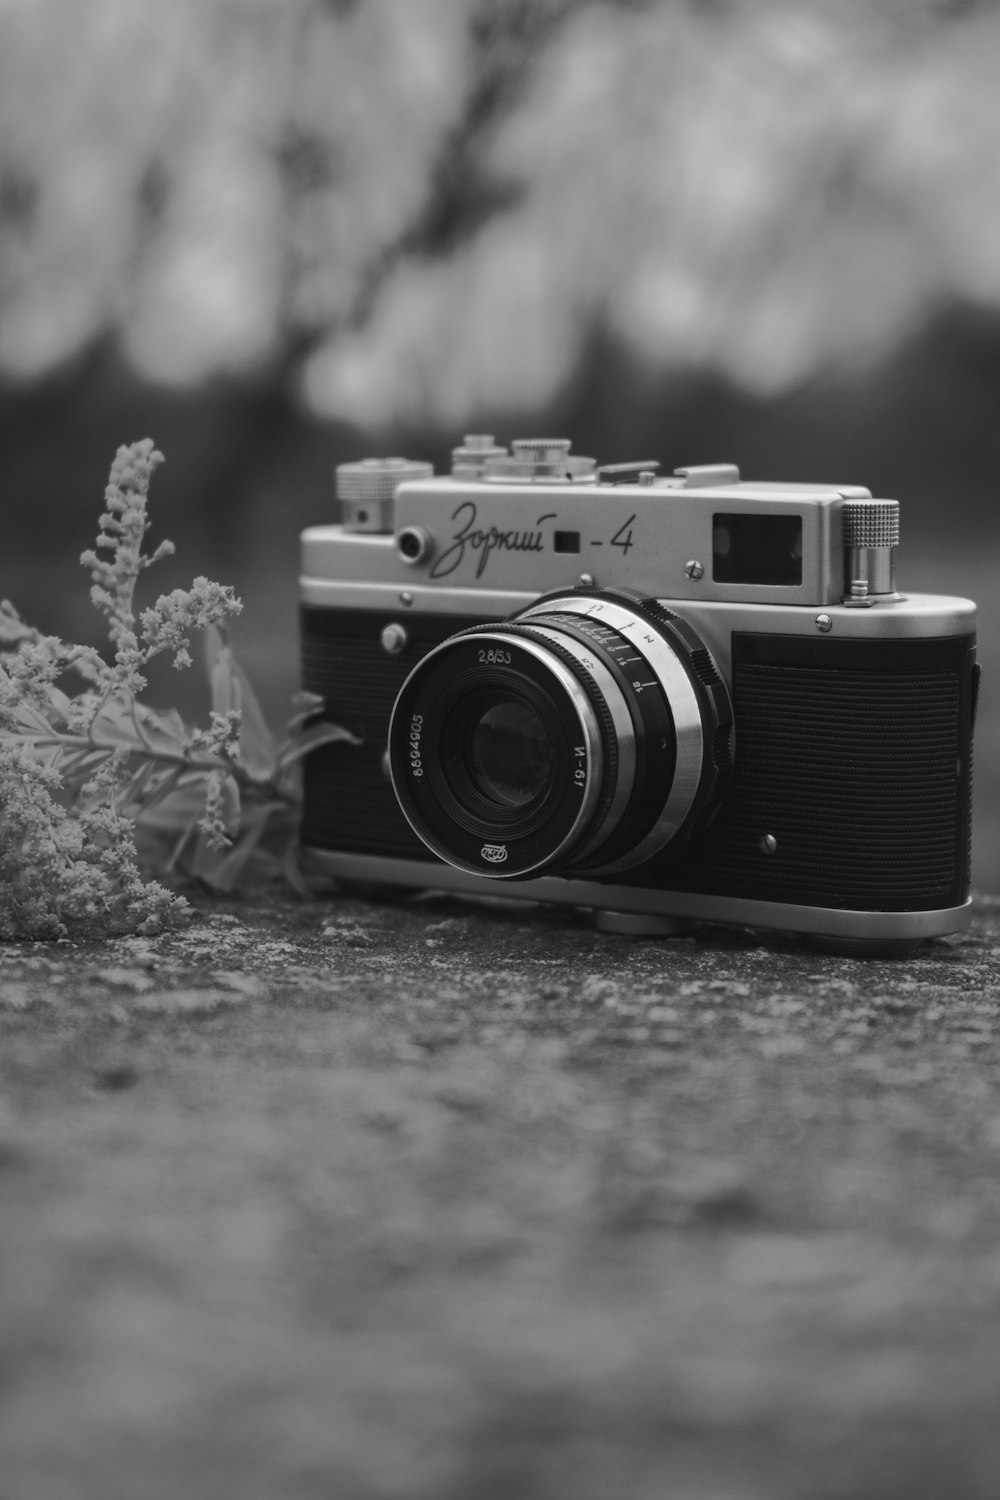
[{"x": 504, "y": 527}]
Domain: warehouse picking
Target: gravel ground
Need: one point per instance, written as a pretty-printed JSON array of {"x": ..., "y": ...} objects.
[{"x": 427, "y": 1202}]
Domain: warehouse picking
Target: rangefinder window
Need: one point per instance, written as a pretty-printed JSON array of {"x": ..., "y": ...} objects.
[{"x": 753, "y": 548}]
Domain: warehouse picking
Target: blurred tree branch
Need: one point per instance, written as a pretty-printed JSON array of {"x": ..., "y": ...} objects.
[{"x": 420, "y": 208}]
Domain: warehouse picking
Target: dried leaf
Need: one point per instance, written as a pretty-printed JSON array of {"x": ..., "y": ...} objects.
[
  {"x": 29, "y": 718},
  {"x": 230, "y": 806},
  {"x": 12, "y": 627},
  {"x": 139, "y": 784},
  {"x": 163, "y": 731},
  {"x": 311, "y": 739},
  {"x": 114, "y": 724},
  {"x": 291, "y": 873},
  {"x": 231, "y": 690},
  {"x": 80, "y": 764},
  {"x": 305, "y": 707},
  {"x": 230, "y": 868},
  {"x": 178, "y": 804},
  {"x": 221, "y": 670},
  {"x": 161, "y": 792},
  {"x": 61, "y": 703}
]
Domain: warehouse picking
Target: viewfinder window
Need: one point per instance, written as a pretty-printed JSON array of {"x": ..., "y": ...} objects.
[
  {"x": 566, "y": 541},
  {"x": 748, "y": 547}
]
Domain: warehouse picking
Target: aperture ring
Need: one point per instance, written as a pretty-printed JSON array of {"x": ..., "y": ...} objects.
[
  {"x": 652, "y": 734},
  {"x": 685, "y": 708}
]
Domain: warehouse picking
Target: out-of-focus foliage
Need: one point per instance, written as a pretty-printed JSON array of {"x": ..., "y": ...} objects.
[
  {"x": 97, "y": 789},
  {"x": 423, "y": 208}
]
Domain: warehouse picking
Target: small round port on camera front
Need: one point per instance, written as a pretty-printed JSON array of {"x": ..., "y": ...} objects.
[
  {"x": 414, "y": 544},
  {"x": 394, "y": 638}
]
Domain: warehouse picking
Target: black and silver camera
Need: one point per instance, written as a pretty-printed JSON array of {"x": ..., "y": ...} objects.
[{"x": 668, "y": 699}]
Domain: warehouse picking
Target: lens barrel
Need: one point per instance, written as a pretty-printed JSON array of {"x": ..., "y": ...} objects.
[{"x": 587, "y": 734}]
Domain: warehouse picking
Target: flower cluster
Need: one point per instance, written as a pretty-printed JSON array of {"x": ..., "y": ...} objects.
[
  {"x": 98, "y": 790},
  {"x": 123, "y": 526},
  {"x": 76, "y": 772},
  {"x": 168, "y": 625},
  {"x": 63, "y": 869}
]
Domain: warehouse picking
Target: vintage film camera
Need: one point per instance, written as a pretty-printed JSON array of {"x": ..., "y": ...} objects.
[{"x": 666, "y": 699}]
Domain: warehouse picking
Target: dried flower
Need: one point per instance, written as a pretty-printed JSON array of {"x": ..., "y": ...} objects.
[
  {"x": 97, "y": 788},
  {"x": 168, "y": 625}
]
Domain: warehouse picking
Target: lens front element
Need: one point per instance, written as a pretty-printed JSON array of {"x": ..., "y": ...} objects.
[
  {"x": 586, "y": 734},
  {"x": 510, "y": 754}
]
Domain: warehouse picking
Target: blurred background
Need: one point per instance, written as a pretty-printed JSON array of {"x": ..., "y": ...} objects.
[{"x": 274, "y": 235}]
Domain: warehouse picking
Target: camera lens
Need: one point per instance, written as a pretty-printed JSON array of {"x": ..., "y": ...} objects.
[
  {"x": 587, "y": 734},
  {"x": 510, "y": 753}
]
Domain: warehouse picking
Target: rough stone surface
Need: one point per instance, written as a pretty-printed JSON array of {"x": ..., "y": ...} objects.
[{"x": 425, "y": 1202}]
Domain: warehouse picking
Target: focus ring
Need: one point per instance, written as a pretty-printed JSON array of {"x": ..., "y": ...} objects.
[{"x": 704, "y": 746}]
